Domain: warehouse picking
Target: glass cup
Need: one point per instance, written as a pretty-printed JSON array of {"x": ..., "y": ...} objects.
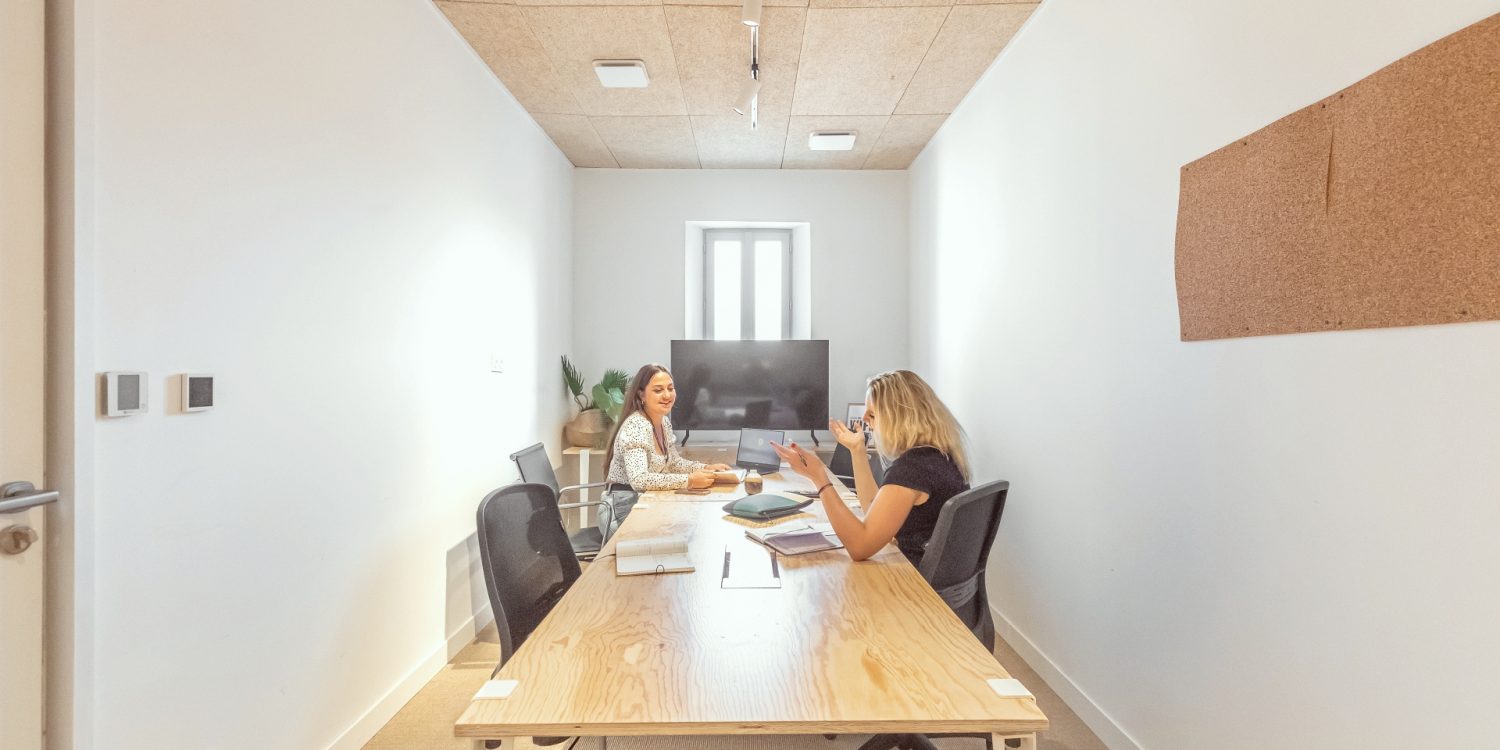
[{"x": 753, "y": 482}]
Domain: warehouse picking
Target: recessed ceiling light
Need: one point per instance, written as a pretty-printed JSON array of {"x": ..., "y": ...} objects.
[
  {"x": 621, "y": 74},
  {"x": 831, "y": 140}
]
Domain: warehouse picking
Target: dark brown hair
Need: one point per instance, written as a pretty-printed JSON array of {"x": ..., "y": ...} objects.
[{"x": 633, "y": 404}]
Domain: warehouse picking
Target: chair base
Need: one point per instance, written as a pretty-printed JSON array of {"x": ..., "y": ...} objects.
[{"x": 898, "y": 742}]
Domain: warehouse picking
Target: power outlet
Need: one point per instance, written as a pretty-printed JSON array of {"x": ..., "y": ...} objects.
[{"x": 497, "y": 363}]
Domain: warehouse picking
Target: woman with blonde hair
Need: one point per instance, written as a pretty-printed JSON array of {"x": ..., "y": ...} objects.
[
  {"x": 643, "y": 449},
  {"x": 929, "y": 465}
]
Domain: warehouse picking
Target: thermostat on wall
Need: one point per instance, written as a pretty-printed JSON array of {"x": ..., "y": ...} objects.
[
  {"x": 197, "y": 392},
  {"x": 124, "y": 393}
]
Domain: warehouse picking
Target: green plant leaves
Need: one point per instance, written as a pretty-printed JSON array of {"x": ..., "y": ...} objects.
[
  {"x": 572, "y": 378},
  {"x": 609, "y": 400}
]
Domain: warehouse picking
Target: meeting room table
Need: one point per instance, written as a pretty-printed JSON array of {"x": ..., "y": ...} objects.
[{"x": 751, "y": 642}]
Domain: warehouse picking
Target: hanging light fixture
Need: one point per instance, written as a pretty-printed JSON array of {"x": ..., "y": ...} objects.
[{"x": 748, "y": 101}]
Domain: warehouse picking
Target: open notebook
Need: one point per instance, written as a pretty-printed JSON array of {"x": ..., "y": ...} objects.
[
  {"x": 796, "y": 538},
  {"x": 661, "y": 554}
]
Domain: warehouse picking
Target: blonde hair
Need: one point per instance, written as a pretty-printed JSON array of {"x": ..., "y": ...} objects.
[{"x": 908, "y": 415}]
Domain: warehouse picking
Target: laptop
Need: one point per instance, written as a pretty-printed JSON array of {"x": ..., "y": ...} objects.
[{"x": 755, "y": 450}]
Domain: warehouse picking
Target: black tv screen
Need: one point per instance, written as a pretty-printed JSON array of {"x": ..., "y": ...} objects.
[{"x": 726, "y": 385}]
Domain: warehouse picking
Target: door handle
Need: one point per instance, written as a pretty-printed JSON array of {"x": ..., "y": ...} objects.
[{"x": 18, "y": 496}]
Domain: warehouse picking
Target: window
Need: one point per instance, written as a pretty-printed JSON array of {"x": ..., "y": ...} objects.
[{"x": 747, "y": 284}]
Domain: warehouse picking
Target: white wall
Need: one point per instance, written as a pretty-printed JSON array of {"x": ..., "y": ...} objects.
[
  {"x": 629, "y": 272},
  {"x": 1224, "y": 544},
  {"x": 335, "y": 208}
]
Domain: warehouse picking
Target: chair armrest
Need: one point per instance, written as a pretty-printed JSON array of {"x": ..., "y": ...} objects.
[
  {"x": 572, "y": 487},
  {"x": 565, "y": 506}
]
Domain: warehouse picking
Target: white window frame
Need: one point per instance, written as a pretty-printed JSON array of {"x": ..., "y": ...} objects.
[{"x": 747, "y": 239}]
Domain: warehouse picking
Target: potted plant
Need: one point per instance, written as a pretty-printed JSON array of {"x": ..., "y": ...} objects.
[{"x": 596, "y": 411}]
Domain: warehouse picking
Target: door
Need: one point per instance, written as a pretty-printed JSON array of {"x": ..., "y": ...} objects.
[{"x": 22, "y": 282}]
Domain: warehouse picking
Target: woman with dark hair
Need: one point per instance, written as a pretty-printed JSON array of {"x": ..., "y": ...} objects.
[{"x": 643, "y": 450}]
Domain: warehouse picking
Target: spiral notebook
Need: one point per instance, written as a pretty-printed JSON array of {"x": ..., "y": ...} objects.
[{"x": 662, "y": 554}]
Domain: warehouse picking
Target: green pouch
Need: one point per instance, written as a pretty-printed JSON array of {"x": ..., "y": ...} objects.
[{"x": 766, "y": 506}]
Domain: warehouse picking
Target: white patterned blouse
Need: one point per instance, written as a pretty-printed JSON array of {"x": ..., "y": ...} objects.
[{"x": 641, "y": 464}]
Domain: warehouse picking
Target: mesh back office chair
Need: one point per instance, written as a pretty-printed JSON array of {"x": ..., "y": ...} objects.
[
  {"x": 536, "y": 467},
  {"x": 954, "y": 564},
  {"x": 528, "y": 564},
  {"x": 841, "y": 465}
]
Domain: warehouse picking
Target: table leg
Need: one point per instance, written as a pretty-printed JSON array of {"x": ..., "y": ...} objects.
[
  {"x": 583, "y": 478},
  {"x": 1016, "y": 741}
]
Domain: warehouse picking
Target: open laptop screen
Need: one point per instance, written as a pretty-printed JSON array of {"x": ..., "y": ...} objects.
[{"x": 755, "y": 450}]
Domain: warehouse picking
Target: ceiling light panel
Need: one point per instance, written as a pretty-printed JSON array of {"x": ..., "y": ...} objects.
[
  {"x": 622, "y": 74},
  {"x": 831, "y": 140}
]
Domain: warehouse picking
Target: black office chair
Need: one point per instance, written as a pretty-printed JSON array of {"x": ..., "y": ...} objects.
[
  {"x": 841, "y": 465},
  {"x": 536, "y": 467},
  {"x": 954, "y": 564},
  {"x": 528, "y": 564}
]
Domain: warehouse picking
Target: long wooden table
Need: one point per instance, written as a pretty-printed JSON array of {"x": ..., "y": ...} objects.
[{"x": 840, "y": 648}]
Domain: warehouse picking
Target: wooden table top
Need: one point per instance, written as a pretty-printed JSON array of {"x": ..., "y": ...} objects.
[{"x": 840, "y": 647}]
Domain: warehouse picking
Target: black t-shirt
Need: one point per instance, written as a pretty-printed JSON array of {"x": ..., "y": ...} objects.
[{"x": 929, "y": 470}]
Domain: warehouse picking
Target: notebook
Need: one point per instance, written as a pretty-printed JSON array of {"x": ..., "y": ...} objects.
[
  {"x": 733, "y": 476},
  {"x": 661, "y": 554},
  {"x": 797, "y": 538}
]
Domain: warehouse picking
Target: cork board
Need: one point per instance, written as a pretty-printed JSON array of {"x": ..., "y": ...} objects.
[{"x": 1376, "y": 207}]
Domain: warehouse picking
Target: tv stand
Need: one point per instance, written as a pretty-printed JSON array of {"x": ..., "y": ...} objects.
[{"x": 814, "y": 434}]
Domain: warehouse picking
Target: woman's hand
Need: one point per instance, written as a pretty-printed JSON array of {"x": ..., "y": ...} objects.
[
  {"x": 854, "y": 441},
  {"x": 719, "y": 467},
  {"x": 701, "y": 480},
  {"x": 802, "y": 461}
]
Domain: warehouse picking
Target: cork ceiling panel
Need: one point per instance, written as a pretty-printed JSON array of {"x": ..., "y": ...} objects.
[
  {"x": 575, "y": 135},
  {"x": 798, "y": 156},
  {"x": 968, "y": 42},
  {"x": 719, "y": 44},
  {"x": 724, "y": 142},
  {"x": 649, "y": 142},
  {"x": 576, "y": 36},
  {"x": 892, "y": 70},
  {"x": 500, "y": 35},
  {"x": 902, "y": 139},
  {"x": 858, "y": 61}
]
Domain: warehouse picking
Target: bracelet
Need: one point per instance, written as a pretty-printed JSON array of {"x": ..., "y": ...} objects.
[{"x": 824, "y": 487}]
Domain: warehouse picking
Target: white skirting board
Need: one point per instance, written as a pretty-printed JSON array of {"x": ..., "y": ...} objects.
[
  {"x": 385, "y": 709},
  {"x": 1105, "y": 727}
]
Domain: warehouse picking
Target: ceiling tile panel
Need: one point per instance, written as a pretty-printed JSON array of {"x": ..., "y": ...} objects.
[
  {"x": 739, "y": 3},
  {"x": 969, "y": 41},
  {"x": 575, "y": 37},
  {"x": 902, "y": 139},
  {"x": 727, "y": 142},
  {"x": 587, "y": 2},
  {"x": 649, "y": 142},
  {"x": 500, "y": 36},
  {"x": 876, "y": 3},
  {"x": 858, "y": 61},
  {"x": 575, "y": 135},
  {"x": 712, "y": 49},
  {"x": 799, "y": 156}
]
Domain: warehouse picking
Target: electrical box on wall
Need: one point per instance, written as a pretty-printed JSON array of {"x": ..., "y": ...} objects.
[
  {"x": 124, "y": 393},
  {"x": 197, "y": 392}
]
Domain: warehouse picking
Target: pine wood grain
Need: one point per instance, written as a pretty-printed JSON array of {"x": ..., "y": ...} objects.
[{"x": 841, "y": 647}]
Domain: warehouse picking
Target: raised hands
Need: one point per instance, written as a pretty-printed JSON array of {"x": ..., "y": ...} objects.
[{"x": 854, "y": 441}]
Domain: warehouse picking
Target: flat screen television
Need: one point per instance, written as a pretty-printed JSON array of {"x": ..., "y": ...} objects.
[{"x": 727, "y": 385}]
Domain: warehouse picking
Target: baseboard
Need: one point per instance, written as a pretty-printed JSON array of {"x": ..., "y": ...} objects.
[
  {"x": 1100, "y": 722},
  {"x": 363, "y": 730}
]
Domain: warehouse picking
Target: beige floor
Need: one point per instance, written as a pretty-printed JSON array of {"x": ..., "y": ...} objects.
[{"x": 426, "y": 722}]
